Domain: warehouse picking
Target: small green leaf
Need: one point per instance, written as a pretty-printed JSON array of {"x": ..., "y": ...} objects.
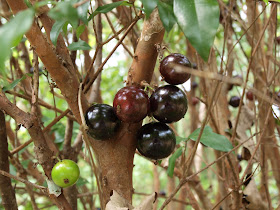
[
  {"x": 81, "y": 181},
  {"x": 199, "y": 20},
  {"x": 80, "y": 45},
  {"x": 211, "y": 139},
  {"x": 172, "y": 161},
  {"x": 64, "y": 11},
  {"x": 25, "y": 163},
  {"x": 180, "y": 139},
  {"x": 166, "y": 15},
  {"x": 149, "y": 6},
  {"x": 43, "y": 3},
  {"x": 11, "y": 34},
  {"x": 65, "y": 28},
  {"x": 83, "y": 11},
  {"x": 56, "y": 29},
  {"x": 13, "y": 84},
  {"x": 108, "y": 7},
  {"x": 80, "y": 30}
]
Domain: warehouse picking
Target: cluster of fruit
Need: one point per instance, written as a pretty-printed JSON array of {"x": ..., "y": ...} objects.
[
  {"x": 167, "y": 104},
  {"x": 236, "y": 100}
]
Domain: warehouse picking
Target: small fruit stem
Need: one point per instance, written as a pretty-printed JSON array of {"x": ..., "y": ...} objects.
[{"x": 146, "y": 85}]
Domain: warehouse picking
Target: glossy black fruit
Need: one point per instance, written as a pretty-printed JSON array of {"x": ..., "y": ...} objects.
[
  {"x": 170, "y": 74},
  {"x": 156, "y": 140},
  {"x": 131, "y": 104},
  {"x": 234, "y": 101},
  {"x": 102, "y": 121},
  {"x": 168, "y": 104}
]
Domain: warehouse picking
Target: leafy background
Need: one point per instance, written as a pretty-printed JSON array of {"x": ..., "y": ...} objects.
[{"x": 180, "y": 19}]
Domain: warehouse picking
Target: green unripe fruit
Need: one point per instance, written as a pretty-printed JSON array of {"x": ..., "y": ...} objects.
[{"x": 65, "y": 173}]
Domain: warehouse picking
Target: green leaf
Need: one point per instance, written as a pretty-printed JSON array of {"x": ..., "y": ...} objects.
[
  {"x": 56, "y": 29},
  {"x": 180, "y": 139},
  {"x": 80, "y": 45},
  {"x": 25, "y": 163},
  {"x": 11, "y": 34},
  {"x": 108, "y": 7},
  {"x": 211, "y": 139},
  {"x": 199, "y": 20},
  {"x": 13, "y": 84},
  {"x": 64, "y": 11},
  {"x": 172, "y": 161},
  {"x": 80, "y": 30},
  {"x": 166, "y": 15},
  {"x": 149, "y": 6},
  {"x": 82, "y": 12},
  {"x": 39, "y": 4},
  {"x": 81, "y": 181},
  {"x": 65, "y": 28}
]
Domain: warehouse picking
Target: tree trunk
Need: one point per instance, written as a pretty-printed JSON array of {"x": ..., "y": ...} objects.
[{"x": 6, "y": 190}]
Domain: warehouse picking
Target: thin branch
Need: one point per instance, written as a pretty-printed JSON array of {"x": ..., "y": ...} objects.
[
  {"x": 247, "y": 76},
  {"x": 41, "y": 103},
  {"x": 184, "y": 181},
  {"x": 98, "y": 71},
  {"x": 35, "y": 88},
  {"x": 44, "y": 189},
  {"x": 16, "y": 150},
  {"x": 235, "y": 188}
]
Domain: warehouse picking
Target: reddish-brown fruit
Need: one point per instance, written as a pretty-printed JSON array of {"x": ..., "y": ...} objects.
[
  {"x": 195, "y": 101},
  {"x": 250, "y": 95},
  {"x": 278, "y": 40},
  {"x": 239, "y": 168},
  {"x": 131, "y": 104},
  {"x": 170, "y": 74}
]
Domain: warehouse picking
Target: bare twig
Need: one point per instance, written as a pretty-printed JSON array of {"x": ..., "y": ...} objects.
[
  {"x": 98, "y": 71},
  {"x": 183, "y": 181},
  {"x": 4, "y": 173},
  {"x": 16, "y": 150}
]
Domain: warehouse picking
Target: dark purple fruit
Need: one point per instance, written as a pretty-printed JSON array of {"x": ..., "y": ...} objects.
[
  {"x": 194, "y": 85},
  {"x": 131, "y": 104},
  {"x": 156, "y": 140},
  {"x": 162, "y": 193},
  {"x": 168, "y": 104},
  {"x": 250, "y": 95},
  {"x": 239, "y": 157},
  {"x": 168, "y": 72},
  {"x": 102, "y": 121},
  {"x": 234, "y": 101},
  {"x": 194, "y": 65}
]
